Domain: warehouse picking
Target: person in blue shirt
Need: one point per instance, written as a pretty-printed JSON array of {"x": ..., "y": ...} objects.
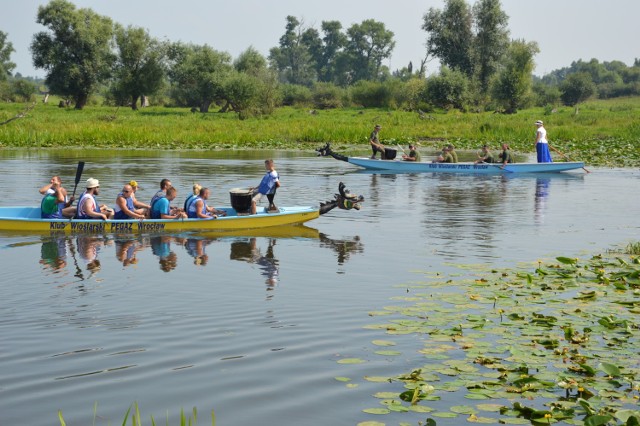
[
  {"x": 270, "y": 182},
  {"x": 161, "y": 209}
]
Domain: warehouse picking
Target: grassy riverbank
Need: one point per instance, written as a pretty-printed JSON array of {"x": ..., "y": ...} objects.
[{"x": 603, "y": 133}]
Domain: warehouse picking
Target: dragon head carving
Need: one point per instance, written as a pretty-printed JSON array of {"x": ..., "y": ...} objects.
[{"x": 344, "y": 200}]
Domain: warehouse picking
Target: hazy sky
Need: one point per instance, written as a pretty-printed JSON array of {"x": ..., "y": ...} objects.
[{"x": 566, "y": 30}]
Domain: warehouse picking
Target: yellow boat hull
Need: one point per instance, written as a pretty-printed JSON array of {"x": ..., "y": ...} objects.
[{"x": 27, "y": 219}]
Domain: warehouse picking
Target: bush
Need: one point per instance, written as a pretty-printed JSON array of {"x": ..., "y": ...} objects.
[
  {"x": 372, "y": 94},
  {"x": 449, "y": 89},
  {"x": 23, "y": 90},
  {"x": 327, "y": 95},
  {"x": 295, "y": 94}
]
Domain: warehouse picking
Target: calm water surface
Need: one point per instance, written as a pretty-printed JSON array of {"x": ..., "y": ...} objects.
[{"x": 252, "y": 326}]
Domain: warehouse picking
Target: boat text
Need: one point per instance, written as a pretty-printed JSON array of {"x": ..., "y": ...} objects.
[{"x": 101, "y": 227}]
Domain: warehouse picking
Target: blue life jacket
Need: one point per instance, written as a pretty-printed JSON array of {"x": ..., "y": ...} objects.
[
  {"x": 57, "y": 214},
  {"x": 81, "y": 214},
  {"x": 191, "y": 209},
  {"x": 121, "y": 214}
]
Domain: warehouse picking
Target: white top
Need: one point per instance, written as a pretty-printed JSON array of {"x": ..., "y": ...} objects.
[{"x": 541, "y": 134}]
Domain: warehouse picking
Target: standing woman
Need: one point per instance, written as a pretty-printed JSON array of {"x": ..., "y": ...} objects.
[{"x": 542, "y": 145}]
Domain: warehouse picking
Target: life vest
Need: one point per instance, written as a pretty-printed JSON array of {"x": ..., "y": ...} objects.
[
  {"x": 191, "y": 209},
  {"x": 50, "y": 208},
  {"x": 119, "y": 213},
  {"x": 81, "y": 213}
]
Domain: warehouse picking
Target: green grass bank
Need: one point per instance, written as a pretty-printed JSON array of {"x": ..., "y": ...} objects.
[{"x": 604, "y": 132}]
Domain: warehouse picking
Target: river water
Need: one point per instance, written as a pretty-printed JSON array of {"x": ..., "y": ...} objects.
[{"x": 252, "y": 326}]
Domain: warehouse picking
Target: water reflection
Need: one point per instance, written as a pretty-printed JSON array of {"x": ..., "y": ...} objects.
[
  {"x": 542, "y": 192},
  {"x": 249, "y": 251},
  {"x": 84, "y": 254}
]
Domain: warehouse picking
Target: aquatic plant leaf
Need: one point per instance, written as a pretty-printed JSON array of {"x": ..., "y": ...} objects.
[
  {"x": 597, "y": 420},
  {"x": 444, "y": 415},
  {"x": 567, "y": 260},
  {"x": 352, "y": 385},
  {"x": 342, "y": 379},
  {"x": 379, "y": 410},
  {"x": 489, "y": 407},
  {"x": 383, "y": 343},
  {"x": 377, "y": 379},
  {"x": 370, "y": 423},
  {"x": 351, "y": 361},
  {"x": 420, "y": 409},
  {"x": 610, "y": 369},
  {"x": 484, "y": 420},
  {"x": 386, "y": 395},
  {"x": 388, "y": 353},
  {"x": 463, "y": 409}
]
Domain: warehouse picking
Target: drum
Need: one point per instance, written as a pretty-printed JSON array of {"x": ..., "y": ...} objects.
[
  {"x": 241, "y": 199},
  {"x": 389, "y": 153}
]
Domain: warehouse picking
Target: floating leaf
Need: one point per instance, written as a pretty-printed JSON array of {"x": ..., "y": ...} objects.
[
  {"x": 388, "y": 353},
  {"x": 342, "y": 379},
  {"x": 383, "y": 343},
  {"x": 376, "y": 410},
  {"x": 370, "y": 423},
  {"x": 463, "y": 409},
  {"x": 610, "y": 369},
  {"x": 351, "y": 361}
]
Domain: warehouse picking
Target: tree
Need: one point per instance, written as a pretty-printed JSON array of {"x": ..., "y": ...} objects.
[
  {"x": 198, "y": 74},
  {"x": 368, "y": 44},
  {"x": 578, "y": 87},
  {"x": 139, "y": 69},
  {"x": 450, "y": 35},
  {"x": 292, "y": 58},
  {"x": 6, "y": 48},
  {"x": 253, "y": 89},
  {"x": 449, "y": 89},
  {"x": 513, "y": 83},
  {"x": 76, "y": 50},
  {"x": 333, "y": 42},
  {"x": 491, "y": 39}
]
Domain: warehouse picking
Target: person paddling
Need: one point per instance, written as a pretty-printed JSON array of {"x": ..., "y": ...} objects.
[{"x": 374, "y": 141}]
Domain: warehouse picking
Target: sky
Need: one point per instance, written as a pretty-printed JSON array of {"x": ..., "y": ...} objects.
[{"x": 565, "y": 30}]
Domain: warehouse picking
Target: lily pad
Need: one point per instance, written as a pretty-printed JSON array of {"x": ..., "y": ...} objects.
[{"x": 351, "y": 361}]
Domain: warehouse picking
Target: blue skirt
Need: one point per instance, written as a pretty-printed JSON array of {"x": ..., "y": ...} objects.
[{"x": 544, "y": 156}]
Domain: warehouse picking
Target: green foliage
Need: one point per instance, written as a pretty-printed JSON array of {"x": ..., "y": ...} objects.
[
  {"x": 450, "y": 36},
  {"x": 294, "y": 94},
  {"x": 577, "y": 88},
  {"x": 369, "y": 43},
  {"x": 198, "y": 74},
  {"x": 512, "y": 86},
  {"x": 327, "y": 95},
  {"x": 371, "y": 94},
  {"x": 133, "y": 415},
  {"x": 76, "y": 50},
  {"x": 545, "y": 95},
  {"x": 139, "y": 69},
  {"x": 292, "y": 58},
  {"x": 6, "y": 48},
  {"x": 22, "y": 90},
  {"x": 241, "y": 91},
  {"x": 449, "y": 89},
  {"x": 490, "y": 41}
]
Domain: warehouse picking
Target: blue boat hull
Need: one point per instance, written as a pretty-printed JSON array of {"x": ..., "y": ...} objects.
[{"x": 398, "y": 166}]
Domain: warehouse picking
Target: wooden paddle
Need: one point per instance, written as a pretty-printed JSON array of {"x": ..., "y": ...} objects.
[
  {"x": 79, "y": 171},
  {"x": 567, "y": 158}
]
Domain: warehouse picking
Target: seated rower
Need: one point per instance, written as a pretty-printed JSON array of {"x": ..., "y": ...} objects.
[
  {"x": 198, "y": 208},
  {"x": 124, "y": 205},
  {"x": 505, "y": 155},
  {"x": 196, "y": 191},
  {"x": 485, "y": 156},
  {"x": 444, "y": 157},
  {"x": 88, "y": 207},
  {"x": 65, "y": 205},
  {"x": 161, "y": 209},
  {"x": 453, "y": 153},
  {"x": 413, "y": 155},
  {"x": 51, "y": 202},
  {"x": 138, "y": 204}
]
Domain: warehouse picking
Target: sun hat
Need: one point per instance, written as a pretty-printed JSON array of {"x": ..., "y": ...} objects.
[
  {"x": 539, "y": 122},
  {"x": 378, "y": 126},
  {"x": 134, "y": 184},
  {"x": 92, "y": 183}
]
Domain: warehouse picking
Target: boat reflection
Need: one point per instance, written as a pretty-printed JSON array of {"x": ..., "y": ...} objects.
[
  {"x": 249, "y": 251},
  {"x": 85, "y": 255}
]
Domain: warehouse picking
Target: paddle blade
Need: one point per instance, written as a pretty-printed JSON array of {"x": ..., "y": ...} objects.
[{"x": 79, "y": 171}]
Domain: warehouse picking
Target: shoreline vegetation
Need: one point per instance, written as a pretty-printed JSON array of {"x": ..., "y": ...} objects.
[{"x": 602, "y": 133}]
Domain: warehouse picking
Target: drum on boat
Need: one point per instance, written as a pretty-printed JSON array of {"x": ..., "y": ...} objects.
[
  {"x": 241, "y": 199},
  {"x": 390, "y": 153}
]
